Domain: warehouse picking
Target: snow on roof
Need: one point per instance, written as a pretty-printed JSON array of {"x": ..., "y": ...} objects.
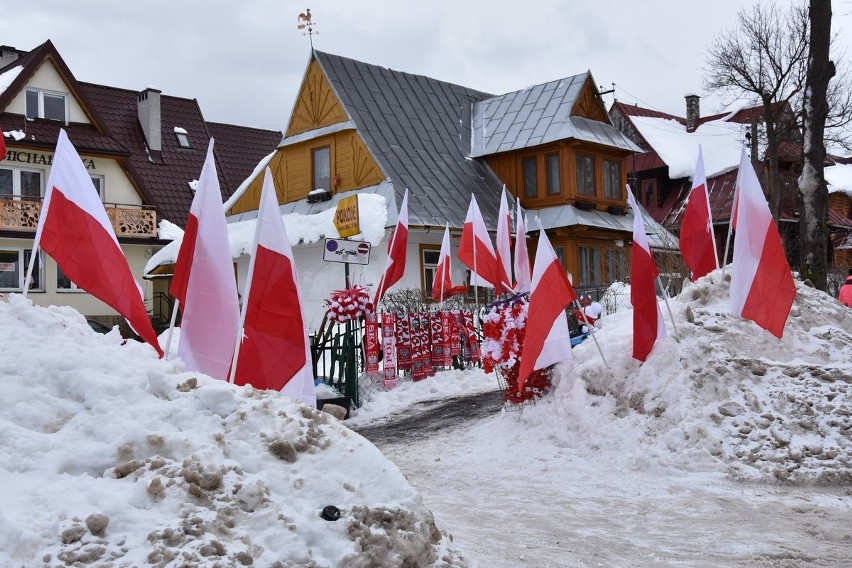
[
  {"x": 721, "y": 144},
  {"x": 839, "y": 178},
  {"x": 9, "y": 76},
  {"x": 372, "y": 212}
]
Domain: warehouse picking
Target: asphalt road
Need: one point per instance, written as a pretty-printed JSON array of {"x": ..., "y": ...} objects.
[{"x": 425, "y": 419}]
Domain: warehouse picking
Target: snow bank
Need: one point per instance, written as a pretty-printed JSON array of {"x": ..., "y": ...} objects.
[
  {"x": 728, "y": 396},
  {"x": 111, "y": 457}
]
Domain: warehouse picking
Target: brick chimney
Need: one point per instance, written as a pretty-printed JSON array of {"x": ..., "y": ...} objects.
[
  {"x": 9, "y": 54},
  {"x": 693, "y": 111},
  {"x": 148, "y": 107}
]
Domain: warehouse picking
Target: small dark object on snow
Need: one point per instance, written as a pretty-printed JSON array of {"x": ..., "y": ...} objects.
[{"x": 330, "y": 513}]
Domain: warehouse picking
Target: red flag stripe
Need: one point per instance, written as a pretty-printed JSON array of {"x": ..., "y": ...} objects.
[{"x": 90, "y": 257}]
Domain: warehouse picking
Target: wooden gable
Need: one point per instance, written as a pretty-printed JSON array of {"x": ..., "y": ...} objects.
[
  {"x": 316, "y": 106},
  {"x": 352, "y": 167},
  {"x": 589, "y": 104}
]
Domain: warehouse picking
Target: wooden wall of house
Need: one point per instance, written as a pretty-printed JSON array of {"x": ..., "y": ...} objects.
[
  {"x": 589, "y": 104},
  {"x": 352, "y": 167},
  {"x": 509, "y": 168},
  {"x": 316, "y": 106},
  {"x": 842, "y": 202}
]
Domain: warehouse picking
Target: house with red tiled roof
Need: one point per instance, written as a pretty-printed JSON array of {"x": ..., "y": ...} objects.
[
  {"x": 143, "y": 150},
  {"x": 661, "y": 175}
]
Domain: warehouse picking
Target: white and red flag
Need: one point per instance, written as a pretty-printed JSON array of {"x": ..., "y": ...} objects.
[
  {"x": 442, "y": 283},
  {"x": 204, "y": 281},
  {"x": 648, "y": 325},
  {"x": 503, "y": 249},
  {"x": 397, "y": 249},
  {"x": 762, "y": 287},
  {"x": 697, "y": 240},
  {"x": 74, "y": 229},
  {"x": 477, "y": 253},
  {"x": 523, "y": 275},
  {"x": 547, "y": 340},
  {"x": 274, "y": 352}
]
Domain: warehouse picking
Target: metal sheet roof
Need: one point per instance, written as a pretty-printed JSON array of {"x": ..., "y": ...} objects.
[{"x": 538, "y": 115}]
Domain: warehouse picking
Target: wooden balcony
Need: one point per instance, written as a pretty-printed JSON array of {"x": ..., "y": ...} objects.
[{"x": 127, "y": 220}]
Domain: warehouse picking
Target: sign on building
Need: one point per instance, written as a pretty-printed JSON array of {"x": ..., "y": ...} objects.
[{"x": 346, "y": 217}]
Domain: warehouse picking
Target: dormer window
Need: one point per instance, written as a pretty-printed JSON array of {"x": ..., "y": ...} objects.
[
  {"x": 49, "y": 105},
  {"x": 182, "y": 138}
]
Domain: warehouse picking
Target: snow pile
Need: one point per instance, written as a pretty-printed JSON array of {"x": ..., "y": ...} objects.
[
  {"x": 111, "y": 457},
  {"x": 728, "y": 397}
]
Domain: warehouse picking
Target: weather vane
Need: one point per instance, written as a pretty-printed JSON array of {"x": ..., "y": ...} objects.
[{"x": 306, "y": 24}]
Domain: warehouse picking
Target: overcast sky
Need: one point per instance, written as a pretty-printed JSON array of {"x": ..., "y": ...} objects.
[{"x": 244, "y": 60}]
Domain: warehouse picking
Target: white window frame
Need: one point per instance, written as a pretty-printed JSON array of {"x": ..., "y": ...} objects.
[
  {"x": 40, "y": 110},
  {"x": 16, "y": 180},
  {"x": 38, "y": 269},
  {"x": 100, "y": 187},
  {"x": 71, "y": 289},
  {"x": 428, "y": 269}
]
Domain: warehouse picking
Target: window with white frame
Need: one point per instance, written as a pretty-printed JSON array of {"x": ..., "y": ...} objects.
[
  {"x": 47, "y": 104},
  {"x": 182, "y": 137},
  {"x": 21, "y": 183},
  {"x": 321, "y": 171},
  {"x": 13, "y": 270},
  {"x": 63, "y": 283},
  {"x": 429, "y": 257},
  {"x": 98, "y": 182}
]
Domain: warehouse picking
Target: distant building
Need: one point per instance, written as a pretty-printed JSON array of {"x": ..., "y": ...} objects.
[{"x": 143, "y": 150}]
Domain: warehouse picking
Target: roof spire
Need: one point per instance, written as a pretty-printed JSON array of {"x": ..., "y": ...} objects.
[{"x": 306, "y": 24}]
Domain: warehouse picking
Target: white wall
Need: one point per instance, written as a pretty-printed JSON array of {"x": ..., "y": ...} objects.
[
  {"x": 318, "y": 279},
  {"x": 84, "y": 303},
  {"x": 48, "y": 79}
]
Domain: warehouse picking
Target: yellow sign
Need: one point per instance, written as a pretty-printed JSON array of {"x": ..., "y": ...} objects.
[{"x": 346, "y": 217}]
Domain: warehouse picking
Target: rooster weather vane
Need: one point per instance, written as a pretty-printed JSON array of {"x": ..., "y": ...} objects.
[{"x": 307, "y": 25}]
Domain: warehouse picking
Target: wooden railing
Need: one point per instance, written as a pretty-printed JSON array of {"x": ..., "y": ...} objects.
[{"x": 127, "y": 220}]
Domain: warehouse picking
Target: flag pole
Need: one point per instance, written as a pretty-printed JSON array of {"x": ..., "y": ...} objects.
[
  {"x": 591, "y": 331},
  {"x": 710, "y": 223},
  {"x": 671, "y": 315},
  {"x": 731, "y": 220},
  {"x": 171, "y": 328}
]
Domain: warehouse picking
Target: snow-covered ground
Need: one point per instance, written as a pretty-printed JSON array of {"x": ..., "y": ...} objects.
[{"x": 728, "y": 447}]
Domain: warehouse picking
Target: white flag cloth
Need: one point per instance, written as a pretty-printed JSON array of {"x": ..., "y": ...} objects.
[{"x": 204, "y": 281}]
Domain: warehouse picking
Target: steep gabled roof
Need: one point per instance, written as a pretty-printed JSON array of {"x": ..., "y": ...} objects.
[
  {"x": 416, "y": 129},
  {"x": 537, "y": 115},
  {"x": 167, "y": 180},
  {"x": 238, "y": 149}
]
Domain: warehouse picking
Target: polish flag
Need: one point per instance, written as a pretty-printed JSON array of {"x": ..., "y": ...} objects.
[
  {"x": 697, "y": 240},
  {"x": 477, "y": 253},
  {"x": 397, "y": 249},
  {"x": 504, "y": 239},
  {"x": 2, "y": 145},
  {"x": 74, "y": 229},
  {"x": 762, "y": 287},
  {"x": 648, "y": 325},
  {"x": 274, "y": 352},
  {"x": 547, "y": 339},
  {"x": 522, "y": 255},
  {"x": 442, "y": 283},
  {"x": 204, "y": 281}
]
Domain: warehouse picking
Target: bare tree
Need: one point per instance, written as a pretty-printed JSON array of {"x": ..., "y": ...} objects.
[
  {"x": 813, "y": 192},
  {"x": 763, "y": 56}
]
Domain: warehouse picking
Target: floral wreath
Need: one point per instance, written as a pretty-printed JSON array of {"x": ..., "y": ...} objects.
[
  {"x": 503, "y": 329},
  {"x": 349, "y": 304}
]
